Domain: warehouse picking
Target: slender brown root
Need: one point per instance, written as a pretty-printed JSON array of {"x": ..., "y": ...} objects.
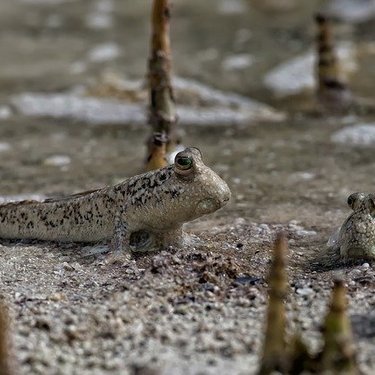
[
  {"x": 158, "y": 152},
  {"x": 162, "y": 116},
  {"x": 300, "y": 358},
  {"x": 328, "y": 67},
  {"x": 5, "y": 362},
  {"x": 333, "y": 93},
  {"x": 274, "y": 346},
  {"x": 337, "y": 356}
]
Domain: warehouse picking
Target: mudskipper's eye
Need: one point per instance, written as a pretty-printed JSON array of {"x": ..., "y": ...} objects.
[
  {"x": 351, "y": 200},
  {"x": 184, "y": 165},
  {"x": 184, "y": 162},
  {"x": 356, "y": 200},
  {"x": 371, "y": 204}
]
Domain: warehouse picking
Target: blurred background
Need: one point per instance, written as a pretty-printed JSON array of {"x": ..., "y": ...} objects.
[
  {"x": 73, "y": 93},
  {"x": 74, "y": 116},
  {"x": 231, "y": 44}
]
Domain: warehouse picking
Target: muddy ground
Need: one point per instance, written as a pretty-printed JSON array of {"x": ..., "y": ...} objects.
[{"x": 197, "y": 310}]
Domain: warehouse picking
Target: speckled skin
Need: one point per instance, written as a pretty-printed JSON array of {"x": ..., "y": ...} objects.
[
  {"x": 356, "y": 237},
  {"x": 149, "y": 208}
]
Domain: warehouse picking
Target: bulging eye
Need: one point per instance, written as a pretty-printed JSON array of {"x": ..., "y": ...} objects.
[
  {"x": 184, "y": 162},
  {"x": 183, "y": 165},
  {"x": 351, "y": 200},
  {"x": 371, "y": 203},
  {"x": 356, "y": 200}
]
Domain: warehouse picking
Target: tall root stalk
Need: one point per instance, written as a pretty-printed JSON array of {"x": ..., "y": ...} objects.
[
  {"x": 333, "y": 94},
  {"x": 162, "y": 115},
  {"x": 274, "y": 346},
  {"x": 337, "y": 356},
  {"x": 6, "y": 367}
]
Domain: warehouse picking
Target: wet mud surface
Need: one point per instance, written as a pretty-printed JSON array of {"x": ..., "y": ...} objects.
[{"x": 199, "y": 309}]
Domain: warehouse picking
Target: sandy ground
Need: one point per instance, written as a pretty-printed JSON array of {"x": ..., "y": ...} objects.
[{"x": 196, "y": 310}]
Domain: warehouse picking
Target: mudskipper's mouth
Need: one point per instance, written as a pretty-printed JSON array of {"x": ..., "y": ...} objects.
[
  {"x": 208, "y": 205},
  {"x": 225, "y": 198}
]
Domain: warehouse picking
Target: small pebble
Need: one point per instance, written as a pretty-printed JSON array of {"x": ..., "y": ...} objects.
[
  {"x": 56, "y": 297},
  {"x": 231, "y": 7},
  {"x": 305, "y": 291},
  {"x": 356, "y": 135},
  {"x": 57, "y": 160},
  {"x": 247, "y": 280},
  {"x": 104, "y": 52},
  {"x": 5, "y": 112},
  {"x": 237, "y": 62},
  {"x": 4, "y": 146}
]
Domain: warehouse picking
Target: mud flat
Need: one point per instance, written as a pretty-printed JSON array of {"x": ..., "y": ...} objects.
[{"x": 198, "y": 309}]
